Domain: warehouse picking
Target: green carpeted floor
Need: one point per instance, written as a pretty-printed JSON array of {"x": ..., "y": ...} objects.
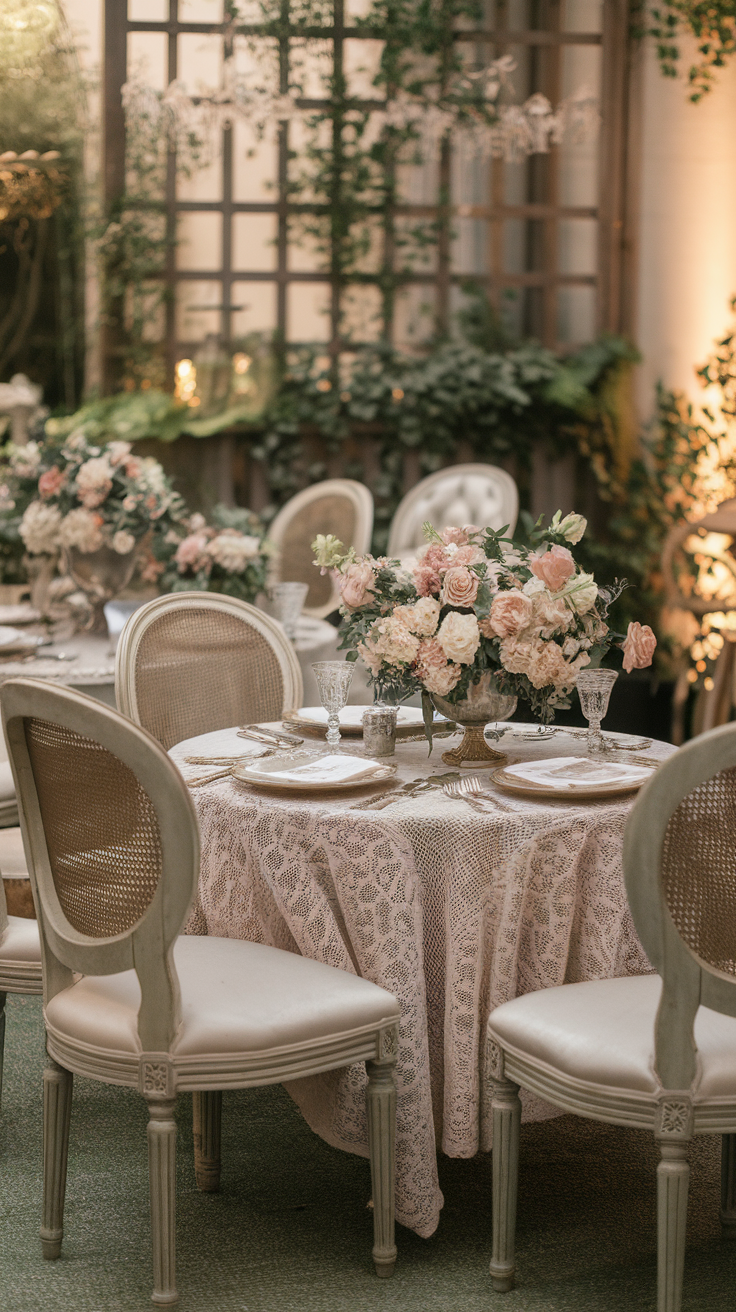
[{"x": 290, "y": 1231}]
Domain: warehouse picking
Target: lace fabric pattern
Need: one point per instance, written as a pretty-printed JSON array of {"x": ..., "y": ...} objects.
[{"x": 452, "y": 909}]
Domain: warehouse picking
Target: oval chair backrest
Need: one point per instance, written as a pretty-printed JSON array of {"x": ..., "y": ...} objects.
[
  {"x": 680, "y": 871},
  {"x": 192, "y": 662},
  {"x": 111, "y": 841},
  {"x": 339, "y": 506},
  {"x": 461, "y": 494}
]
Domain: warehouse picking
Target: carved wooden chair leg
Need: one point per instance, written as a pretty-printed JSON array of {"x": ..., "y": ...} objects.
[
  {"x": 3, "y": 997},
  {"x": 162, "y": 1180},
  {"x": 57, "y": 1111},
  {"x": 673, "y": 1176},
  {"x": 381, "y": 1108},
  {"x": 506, "y": 1121},
  {"x": 207, "y": 1118},
  {"x": 728, "y": 1186}
]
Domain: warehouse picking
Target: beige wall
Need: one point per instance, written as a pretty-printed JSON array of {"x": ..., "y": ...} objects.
[{"x": 687, "y": 225}]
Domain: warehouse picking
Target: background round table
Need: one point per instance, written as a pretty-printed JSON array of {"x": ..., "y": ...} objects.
[{"x": 452, "y": 909}]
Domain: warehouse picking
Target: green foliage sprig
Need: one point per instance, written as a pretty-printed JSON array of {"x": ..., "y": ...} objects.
[{"x": 711, "y": 22}]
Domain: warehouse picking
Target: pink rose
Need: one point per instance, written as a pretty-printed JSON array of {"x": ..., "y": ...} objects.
[
  {"x": 510, "y": 613},
  {"x": 638, "y": 647},
  {"x": 51, "y": 482},
  {"x": 133, "y": 468},
  {"x": 469, "y": 555},
  {"x": 433, "y": 669},
  {"x": 356, "y": 583},
  {"x": 459, "y": 587},
  {"x": 553, "y": 567},
  {"x": 550, "y": 614},
  {"x": 191, "y": 552},
  {"x": 457, "y": 535}
]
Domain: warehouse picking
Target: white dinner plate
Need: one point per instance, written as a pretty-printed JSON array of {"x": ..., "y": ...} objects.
[
  {"x": 571, "y": 787},
  {"x": 408, "y": 720},
  {"x": 262, "y": 774},
  {"x": 12, "y": 640}
]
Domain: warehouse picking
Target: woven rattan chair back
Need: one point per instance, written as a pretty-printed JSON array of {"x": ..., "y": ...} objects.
[
  {"x": 190, "y": 663},
  {"x": 680, "y": 870},
  {"x": 339, "y": 506},
  {"x": 111, "y": 840}
]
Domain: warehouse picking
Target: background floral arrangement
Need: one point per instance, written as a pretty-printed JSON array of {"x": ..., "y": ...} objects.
[
  {"x": 473, "y": 602},
  {"x": 228, "y": 556},
  {"x": 66, "y": 492}
]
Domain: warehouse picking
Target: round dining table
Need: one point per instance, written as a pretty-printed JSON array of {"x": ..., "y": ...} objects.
[{"x": 455, "y": 905}]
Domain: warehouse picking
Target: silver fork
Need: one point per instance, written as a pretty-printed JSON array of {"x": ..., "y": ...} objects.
[{"x": 470, "y": 789}]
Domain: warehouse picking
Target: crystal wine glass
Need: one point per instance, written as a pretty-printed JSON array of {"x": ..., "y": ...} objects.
[
  {"x": 333, "y": 684},
  {"x": 288, "y": 601},
  {"x": 594, "y": 690}
]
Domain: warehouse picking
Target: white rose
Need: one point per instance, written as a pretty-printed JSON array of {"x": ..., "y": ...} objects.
[
  {"x": 123, "y": 542},
  {"x": 581, "y": 592},
  {"x": 571, "y": 528},
  {"x": 81, "y": 529},
  {"x": 459, "y": 637}
]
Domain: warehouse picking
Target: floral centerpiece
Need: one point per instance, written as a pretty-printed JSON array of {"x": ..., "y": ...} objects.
[
  {"x": 92, "y": 504},
  {"x": 231, "y": 555},
  {"x": 476, "y": 608}
]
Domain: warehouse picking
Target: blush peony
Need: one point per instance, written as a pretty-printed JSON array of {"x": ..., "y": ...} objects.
[
  {"x": 459, "y": 637},
  {"x": 393, "y": 641},
  {"x": 553, "y": 567},
  {"x": 355, "y": 583},
  {"x": 191, "y": 552},
  {"x": 51, "y": 482},
  {"x": 510, "y": 613},
  {"x": 639, "y": 647},
  {"x": 459, "y": 587},
  {"x": 94, "y": 481}
]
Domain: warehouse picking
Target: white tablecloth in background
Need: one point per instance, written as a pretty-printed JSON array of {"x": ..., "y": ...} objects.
[{"x": 453, "y": 910}]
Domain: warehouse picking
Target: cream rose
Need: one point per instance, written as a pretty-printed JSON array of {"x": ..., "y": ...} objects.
[
  {"x": 39, "y": 528},
  {"x": 550, "y": 615},
  {"x": 571, "y": 528},
  {"x": 459, "y": 637},
  {"x": 81, "y": 529},
  {"x": 510, "y": 613},
  {"x": 393, "y": 641},
  {"x": 639, "y": 647},
  {"x": 94, "y": 481},
  {"x": 459, "y": 587},
  {"x": 123, "y": 542}
]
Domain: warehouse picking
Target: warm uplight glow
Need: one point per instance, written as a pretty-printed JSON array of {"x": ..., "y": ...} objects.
[
  {"x": 186, "y": 382},
  {"x": 241, "y": 362}
]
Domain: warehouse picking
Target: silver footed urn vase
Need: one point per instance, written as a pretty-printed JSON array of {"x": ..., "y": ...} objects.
[
  {"x": 101, "y": 575},
  {"x": 482, "y": 704}
]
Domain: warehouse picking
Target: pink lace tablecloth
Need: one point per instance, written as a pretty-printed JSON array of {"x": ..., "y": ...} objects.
[{"x": 453, "y": 910}]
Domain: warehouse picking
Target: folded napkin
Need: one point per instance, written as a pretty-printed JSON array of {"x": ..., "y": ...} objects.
[
  {"x": 329, "y": 770},
  {"x": 576, "y": 772}
]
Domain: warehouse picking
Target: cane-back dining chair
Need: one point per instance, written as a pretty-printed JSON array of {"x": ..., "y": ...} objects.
[
  {"x": 20, "y": 948},
  {"x": 340, "y": 506},
  {"x": 192, "y": 662},
  {"x": 461, "y": 494},
  {"x": 112, "y": 844},
  {"x": 658, "y": 1051}
]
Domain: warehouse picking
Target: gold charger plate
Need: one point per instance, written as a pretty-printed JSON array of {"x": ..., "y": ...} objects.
[
  {"x": 529, "y": 789},
  {"x": 258, "y": 774}
]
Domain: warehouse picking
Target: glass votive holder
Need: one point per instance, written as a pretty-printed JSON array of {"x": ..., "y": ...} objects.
[
  {"x": 379, "y": 730},
  {"x": 288, "y": 601}
]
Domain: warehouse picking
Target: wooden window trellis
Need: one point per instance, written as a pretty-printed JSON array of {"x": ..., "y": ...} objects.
[{"x": 545, "y": 237}]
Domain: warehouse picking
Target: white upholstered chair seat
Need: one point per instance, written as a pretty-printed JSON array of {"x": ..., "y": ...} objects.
[
  {"x": 480, "y": 494},
  {"x": 237, "y": 1000},
  {"x": 20, "y": 957},
  {"x": 8, "y": 800},
  {"x": 598, "y": 1036}
]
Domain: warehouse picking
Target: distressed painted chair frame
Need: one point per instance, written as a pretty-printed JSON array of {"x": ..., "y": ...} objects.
[
  {"x": 677, "y": 1112},
  {"x": 141, "y": 620},
  {"x": 147, "y": 948},
  {"x": 360, "y": 498},
  {"x": 401, "y": 540}
]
